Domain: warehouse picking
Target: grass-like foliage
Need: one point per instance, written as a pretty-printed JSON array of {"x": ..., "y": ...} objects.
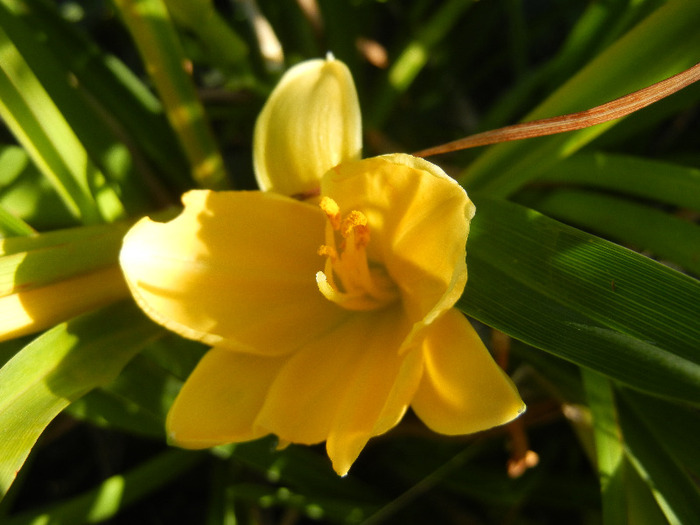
[{"x": 583, "y": 256}]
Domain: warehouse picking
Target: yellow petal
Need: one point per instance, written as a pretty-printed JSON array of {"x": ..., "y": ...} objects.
[
  {"x": 310, "y": 123},
  {"x": 234, "y": 269},
  {"x": 362, "y": 414},
  {"x": 462, "y": 390},
  {"x": 419, "y": 221},
  {"x": 344, "y": 387},
  {"x": 220, "y": 400}
]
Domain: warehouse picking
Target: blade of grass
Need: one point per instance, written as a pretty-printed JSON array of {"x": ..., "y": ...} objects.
[
  {"x": 675, "y": 492},
  {"x": 584, "y": 299},
  {"x": 663, "y": 44},
  {"x": 642, "y": 506},
  {"x": 104, "y": 409},
  {"x": 673, "y": 426},
  {"x": 604, "y": 113},
  {"x": 11, "y": 225},
  {"x": 599, "y": 25},
  {"x": 103, "y": 147},
  {"x": 664, "y": 235},
  {"x": 202, "y": 19},
  {"x": 138, "y": 400},
  {"x": 424, "y": 485},
  {"x": 413, "y": 58},
  {"x": 317, "y": 508},
  {"x": 116, "y": 493},
  {"x": 59, "y": 367},
  {"x": 151, "y": 28},
  {"x": 39, "y": 126},
  {"x": 134, "y": 114},
  {"x": 646, "y": 178},
  {"x": 27, "y": 194},
  {"x": 608, "y": 446}
]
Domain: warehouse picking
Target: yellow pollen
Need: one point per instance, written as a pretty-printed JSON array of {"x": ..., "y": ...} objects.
[
  {"x": 332, "y": 211},
  {"x": 328, "y": 251},
  {"x": 355, "y": 224},
  {"x": 348, "y": 279}
]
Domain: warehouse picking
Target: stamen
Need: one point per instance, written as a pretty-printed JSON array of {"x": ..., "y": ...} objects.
[
  {"x": 356, "y": 223},
  {"x": 328, "y": 251},
  {"x": 332, "y": 211},
  {"x": 348, "y": 279}
]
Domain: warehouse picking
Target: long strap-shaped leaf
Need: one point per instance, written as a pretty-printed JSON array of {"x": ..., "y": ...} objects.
[
  {"x": 607, "y": 112},
  {"x": 110, "y": 92},
  {"x": 49, "y": 278},
  {"x": 584, "y": 299},
  {"x": 666, "y": 236},
  {"x": 675, "y": 491},
  {"x": 664, "y": 44},
  {"x": 608, "y": 446},
  {"x": 39, "y": 126},
  {"x": 114, "y": 494},
  {"x": 157, "y": 42},
  {"x": 649, "y": 179},
  {"x": 59, "y": 367}
]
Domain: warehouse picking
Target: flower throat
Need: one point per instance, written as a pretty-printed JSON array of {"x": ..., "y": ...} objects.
[{"x": 348, "y": 278}]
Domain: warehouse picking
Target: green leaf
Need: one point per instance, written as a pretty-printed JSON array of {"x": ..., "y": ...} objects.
[
  {"x": 139, "y": 399},
  {"x": 114, "y": 494},
  {"x": 103, "y": 408},
  {"x": 663, "y": 44},
  {"x": 114, "y": 93},
  {"x": 675, "y": 492},
  {"x": 666, "y": 236},
  {"x": 42, "y": 130},
  {"x": 33, "y": 261},
  {"x": 414, "y": 57},
  {"x": 642, "y": 506},
  {"x": 673, "y": 426},
  {"x": 28, "y": 195},
  {"x": 94, "y": 131},
  {"x": 11, "y": 225},
  {"x": 645, "y": 178},
  {"x": 58, "y": 367},
  {"x": 201, "y": 18},
  {"x": 584, "y": 299},
  {"x": 149, "y": 23},
  {"x": 608, "y": 446}
]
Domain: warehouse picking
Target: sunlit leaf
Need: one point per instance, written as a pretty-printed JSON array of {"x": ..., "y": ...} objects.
[
  {"x": 59, "y": 367},
  {"x": 663, "y": 44},
  {"x": 608, "y": 444},
  {"x": 156, "y": 39},
  {"x": 675, "y": 492},
  {"x": 666, "y": 236},
  {"x": 584, "y": 299},
  {"x": 41, "y": 129}
]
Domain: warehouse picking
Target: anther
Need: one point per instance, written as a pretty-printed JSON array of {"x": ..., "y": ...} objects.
[
  {"x": 328, "y": 251},
  {"x": 332, "y": 211}
]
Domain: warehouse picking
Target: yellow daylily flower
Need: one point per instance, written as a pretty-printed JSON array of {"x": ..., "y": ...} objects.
[{"x": 328, "y": 317}]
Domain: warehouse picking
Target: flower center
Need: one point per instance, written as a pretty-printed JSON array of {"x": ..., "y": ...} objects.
[{"x": 349, "y": 279}]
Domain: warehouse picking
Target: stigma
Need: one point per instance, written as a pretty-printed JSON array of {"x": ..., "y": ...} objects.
[{"x": 349, "y": 279}]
